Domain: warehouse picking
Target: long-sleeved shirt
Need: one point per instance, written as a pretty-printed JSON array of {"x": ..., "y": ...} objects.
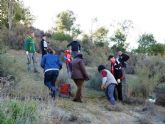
[
  {"x": 51, "y": 62},
  {"x": 122, "y": 59},
  {"x": 75, "y": 46},
  {"x": 107, "y": 78},
  {"x": 30, "y": 45}
]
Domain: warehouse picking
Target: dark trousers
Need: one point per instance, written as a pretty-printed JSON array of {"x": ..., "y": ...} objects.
[
  {"x": 50, "y": 79},
  {"x": 118, "y": 92},
  {"x": 43, "y": 53},
  {"x": 79, "y": 84}
]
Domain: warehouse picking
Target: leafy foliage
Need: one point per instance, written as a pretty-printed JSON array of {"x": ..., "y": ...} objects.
[
  {"x": 60, "y": 36},
  {"x": 19, "y": 13},
  {"x": 65, "y": 21},
  {"x": 119, "y": 39},
  {"x": 145, "y": 42},
  {"x": 100, "y": 34}
]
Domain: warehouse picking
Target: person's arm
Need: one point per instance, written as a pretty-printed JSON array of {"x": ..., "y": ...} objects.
[
  {"x": 82, "y": 67},
  {"x": 104, "y": 79},
  {"x": 125, "y": 57},
  {"x": 69, "y": 45}
]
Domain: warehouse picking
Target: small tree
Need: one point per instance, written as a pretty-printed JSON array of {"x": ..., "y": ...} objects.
[
  {"x": 119, "y": 39},
  {"x": 100, "y": 36},
  {"x": 156, "y": 49},
  {"x": 65, "y": 21},
  {"x": 145, "y": 42}
]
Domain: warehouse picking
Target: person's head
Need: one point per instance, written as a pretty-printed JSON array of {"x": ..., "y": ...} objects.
[
  {"x": 112, "y": 58},
  {"x": 50, "y": 50},
  {"x": 31, "y": 33},
  {"x": 101, "y": 67},
  {"x": 120, "y": 53},
  {"x": 67, "y": 51},
  {"x": 44, "y": 37}
]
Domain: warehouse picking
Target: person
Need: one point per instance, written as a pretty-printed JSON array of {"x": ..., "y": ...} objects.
[
  {"x": 108, "y": 83},
  {"x": 116, "y": 70},
  {"x": 68, "y": 60},
  {"x": 43, "y": 45},
  {"x": 75, "y": 47},
  {"x": 122, "y": 58},
  {"x": 79, "y": 75},
  {"x": 30, "y": 48},
  {"x": 51, "y": 64}
]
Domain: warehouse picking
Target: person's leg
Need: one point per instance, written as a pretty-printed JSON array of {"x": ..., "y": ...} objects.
[
  {"x": 115, "y": 93},
  {"x": 111, "y": 88},
  {"x": 47, "y": 79},
  {"x": 79, "y": 84},
  {"x": 106, "y": 94},
  {"x": 34, "y": 62},
  {"x": 119, "y": 91},
  {"x": 53, "y": 80},
  {"x": 29, "y": 59}
]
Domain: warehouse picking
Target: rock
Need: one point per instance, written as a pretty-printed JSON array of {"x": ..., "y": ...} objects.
[{"x": 160, "y": 94}]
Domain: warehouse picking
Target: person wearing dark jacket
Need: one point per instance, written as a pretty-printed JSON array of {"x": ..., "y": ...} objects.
[
  {"x": 116, "y": 70},
  {"x": 51, "y": 64},
  {"x": 122, "y": 58},
  {"x": 43, "y": 45},
  {"x": 79, "y": 75},
  {"x": 75, "y": 47}
]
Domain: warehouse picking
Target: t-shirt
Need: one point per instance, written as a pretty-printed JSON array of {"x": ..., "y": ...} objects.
[{"x": 107, "y": 78}]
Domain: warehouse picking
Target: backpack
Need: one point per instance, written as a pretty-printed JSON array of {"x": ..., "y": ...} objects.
[{"x": 64, "y": 90}]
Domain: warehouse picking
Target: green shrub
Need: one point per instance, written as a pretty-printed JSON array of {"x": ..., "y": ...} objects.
[
  {"x": 95, "y": 80},
  {"x": 18, "y": 112},
  {"x": 60, "y": 36},
  {"x": 149, "y": 70}
]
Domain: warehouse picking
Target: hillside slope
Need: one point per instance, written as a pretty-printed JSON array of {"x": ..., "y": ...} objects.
[{"x": 94, "y": 109}]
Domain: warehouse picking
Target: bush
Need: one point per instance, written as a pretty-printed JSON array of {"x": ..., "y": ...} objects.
[
  {"x": 148, "y": 70},
  {"x": 18, "y": 112},
  {"x": 160, "y": 94},
  {"x": 95, "y": 80},
  {"x": 60, "y": 36}
]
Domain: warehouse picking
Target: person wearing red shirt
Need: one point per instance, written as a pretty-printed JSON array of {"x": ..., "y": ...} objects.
[{"x": 116, "y": 70}]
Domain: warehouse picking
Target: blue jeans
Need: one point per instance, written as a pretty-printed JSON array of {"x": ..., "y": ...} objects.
[
  {"x": 50, "y": 79},
  {"x": 109, "y": 92}
]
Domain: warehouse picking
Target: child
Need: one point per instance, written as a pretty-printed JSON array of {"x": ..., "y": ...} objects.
[
  {"x": 68, "y": 60},
  {"x": 108, "y": 83}
]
